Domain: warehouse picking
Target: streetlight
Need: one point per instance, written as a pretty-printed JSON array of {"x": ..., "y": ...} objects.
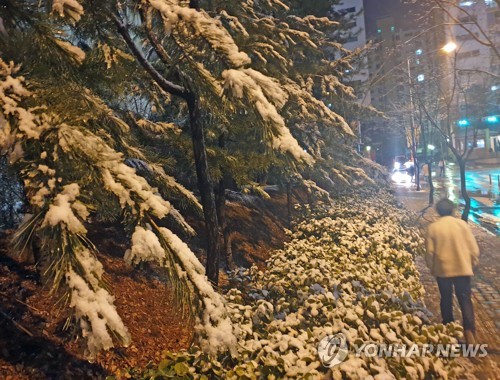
[{"x": 449, "y": 47}]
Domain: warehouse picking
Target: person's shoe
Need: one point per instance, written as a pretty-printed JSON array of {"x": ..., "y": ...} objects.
[{"x": 469, "y": 337}]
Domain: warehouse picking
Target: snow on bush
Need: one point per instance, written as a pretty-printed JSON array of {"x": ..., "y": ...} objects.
[{"x": 348, "y": 268}]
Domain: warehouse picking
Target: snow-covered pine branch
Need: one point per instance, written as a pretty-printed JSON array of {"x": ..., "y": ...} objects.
[
  {"x": 241, "y": 84},
  {"x": 61, "y": 208},
  {"x": 68, "y": 8},
  {"x": 176, "y": 16}
]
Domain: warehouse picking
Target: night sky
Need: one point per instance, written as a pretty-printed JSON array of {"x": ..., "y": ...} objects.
[{"x": 403, "y": 13}]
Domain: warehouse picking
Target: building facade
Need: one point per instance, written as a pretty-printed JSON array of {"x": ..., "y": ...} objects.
[{"x": 474, "y": 25}]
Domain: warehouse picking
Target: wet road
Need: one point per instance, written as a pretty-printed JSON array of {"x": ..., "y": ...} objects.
[{"x": 483, "y": 186}]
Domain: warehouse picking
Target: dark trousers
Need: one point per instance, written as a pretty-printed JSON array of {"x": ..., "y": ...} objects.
[{"x": 463, "y": 293}]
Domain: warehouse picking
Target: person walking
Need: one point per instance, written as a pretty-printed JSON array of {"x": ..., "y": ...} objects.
[
  {"x": 411, "y": 171},
  {"x": 441, "y": 167},
  {"x": 425, "y": 171},
  {"x": 451, "y": 254}
]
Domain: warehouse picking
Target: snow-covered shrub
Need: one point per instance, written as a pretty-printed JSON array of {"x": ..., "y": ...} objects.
[{"x": 348, "y": 268}]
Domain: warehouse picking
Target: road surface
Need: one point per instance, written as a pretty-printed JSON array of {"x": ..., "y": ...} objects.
[{"x": 483, "y": 186}]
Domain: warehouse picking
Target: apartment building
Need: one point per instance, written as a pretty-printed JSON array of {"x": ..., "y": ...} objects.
[
  {"x": 404, "y": 67},
  {"x": 475, "y": 28},
  {"x": 354, "y": 37}
]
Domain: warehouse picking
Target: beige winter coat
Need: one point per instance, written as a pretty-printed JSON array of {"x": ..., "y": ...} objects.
[{"x": 452, "y": 249}]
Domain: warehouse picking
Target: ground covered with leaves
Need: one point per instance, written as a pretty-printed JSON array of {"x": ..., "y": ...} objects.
[{"x": 34, "y": 343}]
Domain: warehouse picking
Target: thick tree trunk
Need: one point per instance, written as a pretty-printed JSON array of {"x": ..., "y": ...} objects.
[
  {"x": 463, "y": 189},
  {"x": 206, "y": 190}
]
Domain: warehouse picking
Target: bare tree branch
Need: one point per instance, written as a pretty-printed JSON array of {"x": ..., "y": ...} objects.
[{"x": 445, "y": 6}]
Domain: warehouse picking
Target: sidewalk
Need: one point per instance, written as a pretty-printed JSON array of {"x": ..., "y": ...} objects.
[{"x": 486, "y": 286}]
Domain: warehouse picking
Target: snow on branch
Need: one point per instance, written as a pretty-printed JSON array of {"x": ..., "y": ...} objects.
[
  {"x": 214, "y": 326},
  {"x": 74, "y": 51},
  {"x": 270, "y": 87},
  {"x": 145, "y": 247},
  {"x": 68, "y": 8},
  {"x": 118, "y": 178},
  {"x": 61, "y": 211},
  {"x": 274, "y": 3},
  {"x": 247, "y": 85},
  {"x": 209, "y": 28},
  {"x": 312, "y": 108},
  {"x": 233, "y": 23},
  {"x": 12, "y": 91},
  {"x": 93, "y": 305}
]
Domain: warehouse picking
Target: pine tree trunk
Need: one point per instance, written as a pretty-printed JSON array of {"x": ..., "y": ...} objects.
[{"x": 206, "y": 190}]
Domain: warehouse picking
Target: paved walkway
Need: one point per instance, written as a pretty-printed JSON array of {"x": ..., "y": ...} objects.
[{"x": 486, "y": 295}]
